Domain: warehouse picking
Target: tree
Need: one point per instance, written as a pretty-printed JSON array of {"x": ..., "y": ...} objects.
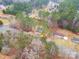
[
  {"x": 7, "y": 2},
  {"x": 55, "y": 16},
  {"x": 39, "y": 3},
  {"x": 24, "y": 40},
  {"x": 67, "y": 14},
  {"x": 43, "y": 14},
  {"x": 73, "y": 2},
  {"x": 19, "y": 7},
  {"x": 50, "y": 48},
  {"x": 53, "y": 20},
  {"x": 43, "y": 25},
  {"x": 75, "y": 23},
  {"x": 26, "y": 22},
  {"x": 10, "y": 11},
  {"x": 26, "y": 7},
  {"x": 1, "y": 41}
]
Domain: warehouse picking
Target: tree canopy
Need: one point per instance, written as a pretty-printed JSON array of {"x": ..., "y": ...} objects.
[{"x": 19, "y": 7}]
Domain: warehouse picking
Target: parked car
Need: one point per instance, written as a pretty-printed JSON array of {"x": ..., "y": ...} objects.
[{"x": 60, "y": 36}]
